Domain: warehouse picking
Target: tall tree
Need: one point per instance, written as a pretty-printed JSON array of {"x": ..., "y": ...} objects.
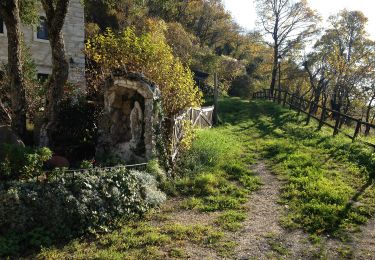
[
  {"x": 288, "y": 23},
  {"x": 348, "y": 52},
  {"x": 56, "y": 11},
  {"x": 10, "y": 11},
  {"x": 316, "y": 68}
]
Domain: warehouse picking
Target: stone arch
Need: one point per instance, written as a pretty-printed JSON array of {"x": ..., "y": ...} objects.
[{"x": 127, "y": 129}]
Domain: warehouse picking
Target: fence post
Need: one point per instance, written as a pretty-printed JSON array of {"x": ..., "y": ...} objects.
[
  {"x": 216, "y": 101},
  {"x": 357, "y": 128},
  {"x": 291, "y": 100},
  {"x": 337, "y": 124},
  {"x": 279, "y": 97},
  {"x": 300, "y": 99},
  {"x": 285, "y": 96},
  {"x": 274, "y": 95},
  {"x": 322, "y": 117},
  {"x": 309, "y": 114}
]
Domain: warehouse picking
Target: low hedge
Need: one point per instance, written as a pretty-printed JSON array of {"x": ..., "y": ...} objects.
[{"x": 36, "y": 214}]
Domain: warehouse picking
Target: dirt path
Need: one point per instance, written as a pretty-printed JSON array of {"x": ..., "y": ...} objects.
[
  {"x": 364, "y": 246},
  {"x": 263, "y": 237},
  {"x": 264, "y": 215}
]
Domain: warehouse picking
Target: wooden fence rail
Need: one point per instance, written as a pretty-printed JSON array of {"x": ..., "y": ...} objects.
[{"x": 320, "y": 113}]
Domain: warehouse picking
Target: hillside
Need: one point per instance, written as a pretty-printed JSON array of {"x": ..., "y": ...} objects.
[{"x": 261, "y": 185}]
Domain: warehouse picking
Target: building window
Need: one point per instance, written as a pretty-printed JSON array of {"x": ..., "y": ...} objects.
[
  {"x": 1, "y": 26},
  {"x": 42, "y": 77},
  {"x": 42, "y": 30}
]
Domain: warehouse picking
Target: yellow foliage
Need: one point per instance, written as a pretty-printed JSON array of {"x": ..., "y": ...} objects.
[{"x": 150, "y": 55}]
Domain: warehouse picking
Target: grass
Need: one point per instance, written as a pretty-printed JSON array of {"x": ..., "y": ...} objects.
[
  {"x": 214, "y": 176},
  {"x": 216, "y": 172},
  {"x": 328, "y": 187},
  {"x": 138, "y": 240},
  {"x": 278, "y": 246},
  {"x": 350, "y": 129},
  {"x": 231, "y": 220},
  {"x": 325, "y": 176}
]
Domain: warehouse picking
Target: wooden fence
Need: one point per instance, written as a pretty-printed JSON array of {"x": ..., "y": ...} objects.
[
  {"x": 321, "y": 113},
  {"x": 198, "y": 117},
  {"x": 201, "y": 117}
]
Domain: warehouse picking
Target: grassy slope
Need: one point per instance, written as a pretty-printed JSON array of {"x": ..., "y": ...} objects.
[
  {"x": 328, "y": 189},
  {"x": 323, "y": 176}
]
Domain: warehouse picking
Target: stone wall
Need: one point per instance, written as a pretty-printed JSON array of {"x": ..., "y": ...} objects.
[
  {"x": 74, "y": 36},
  {"x": 126, "y": 128}
]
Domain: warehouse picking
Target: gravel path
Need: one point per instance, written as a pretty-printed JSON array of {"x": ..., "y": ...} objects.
[
  {"x": 364, "y": 246},
  {"x": 264, "y": 215},
  {"x": 263, "y": 237}
]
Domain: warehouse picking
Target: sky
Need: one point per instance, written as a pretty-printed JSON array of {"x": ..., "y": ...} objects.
[{"x": 244, "y": 13}]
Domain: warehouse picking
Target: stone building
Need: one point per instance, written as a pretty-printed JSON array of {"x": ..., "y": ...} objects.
[
  {"x": 36, "y": 38},
  {"x": 126, "y": 128}
]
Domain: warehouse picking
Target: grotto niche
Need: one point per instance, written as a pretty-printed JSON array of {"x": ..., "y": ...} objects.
[{"x": 126, "y": 127}]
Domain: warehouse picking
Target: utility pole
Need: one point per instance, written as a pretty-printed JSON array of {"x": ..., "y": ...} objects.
[{"x": 216, "y": 100}]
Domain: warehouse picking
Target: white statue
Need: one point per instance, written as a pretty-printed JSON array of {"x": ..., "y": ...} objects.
[{"x": 136, "y": 123}]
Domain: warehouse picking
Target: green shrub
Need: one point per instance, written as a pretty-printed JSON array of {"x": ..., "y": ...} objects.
[
  {"x": 241, "y": 87},
  {"x": 154, "y": 168},
  {"x": 22, "y": 162},
  {"x": 41, "y": 213},
  {"x": 85, "y": 164},
  {"x": 109, "y": 160},
  {"x": 76, "y": 134},
  {"x": 150, "y": 54}
]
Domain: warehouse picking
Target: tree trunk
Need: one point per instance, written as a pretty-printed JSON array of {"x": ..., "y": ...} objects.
[
  {"x": 323, "y": 115},
  {"x": 368, "y": 111},
  {"x": 274, "y": 70},
  {"x": 5, "y": 117},
  {"x": 55, "y": 14},
  {"x": 346, "y": 108},
  {"x": 317, "y": 96},
  {"x": 10, "y": 12}
]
